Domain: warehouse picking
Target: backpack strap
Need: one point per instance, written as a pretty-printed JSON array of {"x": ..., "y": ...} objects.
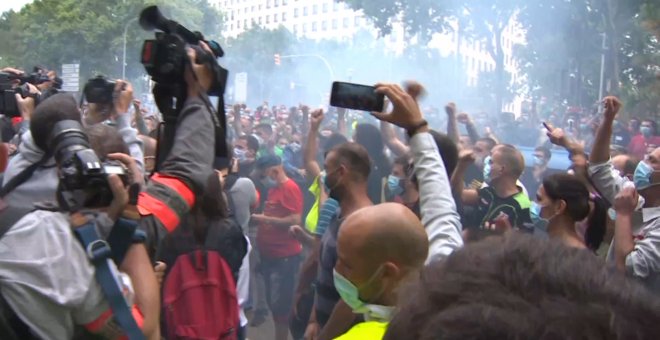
[{"x": 99, "y": 253}]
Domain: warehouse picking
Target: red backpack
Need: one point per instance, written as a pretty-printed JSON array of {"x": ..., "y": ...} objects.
[{"x": 199, "y": 298}]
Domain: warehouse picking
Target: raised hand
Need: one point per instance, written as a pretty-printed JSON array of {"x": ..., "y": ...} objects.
[
  {"x": 463, "y": 118},
  {"x": 450, "y": 108},
  {"x": 556, "y": 135},
  {"x": 405, "y": 112},
  {"x": 625, "y": 201},
  {"x": 612, "y": 106},
  {"x": 316, "y": 119},
  {"x": 466, "y": 156}
]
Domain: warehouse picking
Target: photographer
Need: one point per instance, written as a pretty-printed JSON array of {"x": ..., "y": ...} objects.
[
  {"x": 31, "y": 175},
  {"x": 52, "y": 289},
  {"x": 171, "y": 191}
]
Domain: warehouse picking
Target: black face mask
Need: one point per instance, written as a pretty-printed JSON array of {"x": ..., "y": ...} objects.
[{"x": 333, "y": 185}]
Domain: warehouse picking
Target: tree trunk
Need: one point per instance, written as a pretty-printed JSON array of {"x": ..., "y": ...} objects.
[{"x": 499, "y": 71}]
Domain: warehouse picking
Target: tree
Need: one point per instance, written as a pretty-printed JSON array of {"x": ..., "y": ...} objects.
[
  {"x": 470, "y": 18},
  {"x": 53, "y": 32}
]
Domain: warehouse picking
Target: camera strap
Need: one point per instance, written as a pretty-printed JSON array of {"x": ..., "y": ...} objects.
[
  {"x": 22, "y": 176},
  {"x": 100, "y": 255}
]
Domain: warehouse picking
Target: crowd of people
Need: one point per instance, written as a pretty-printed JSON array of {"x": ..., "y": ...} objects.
[{"x": 382, "y": 225}]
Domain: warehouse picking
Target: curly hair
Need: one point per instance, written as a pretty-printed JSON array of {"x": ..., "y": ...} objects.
[{"x": 519, "y": 287}]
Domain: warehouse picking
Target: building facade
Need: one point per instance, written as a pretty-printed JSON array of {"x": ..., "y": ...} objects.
[{"x": 328, "y": 19}]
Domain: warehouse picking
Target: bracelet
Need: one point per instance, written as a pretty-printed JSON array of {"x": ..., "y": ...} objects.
[{"x": 412, "y": 130}]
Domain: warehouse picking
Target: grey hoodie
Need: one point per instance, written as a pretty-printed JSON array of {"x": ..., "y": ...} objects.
[{"x": 42, "y": 185}]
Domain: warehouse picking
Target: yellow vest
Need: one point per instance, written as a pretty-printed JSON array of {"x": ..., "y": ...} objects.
[
  {"x": 369, "y": 330},
  {"x": 312, "y": 218}
]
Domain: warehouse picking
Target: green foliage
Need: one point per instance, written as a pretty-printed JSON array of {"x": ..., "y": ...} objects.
[
  {"x": 53, "y": 32},
  {"x": 561, "y": 59}
]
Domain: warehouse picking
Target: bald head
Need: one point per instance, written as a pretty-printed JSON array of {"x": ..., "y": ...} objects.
[
  {"x": 385, "y": 232},
  {"x": 625, "y": 164}
]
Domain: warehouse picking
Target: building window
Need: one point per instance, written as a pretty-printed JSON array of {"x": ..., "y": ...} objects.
[
  {"x": 284, "y": 17},
  {"x": 268, "y": 4},
  {"x": 295, "y": 12},
  {"x": 315, "y": 9},
  {"x": 231, "y": 27},
  {"x": 345, "y": 22},
  {"x": 268, "y": 19},
  {"x": 259, "y": 20},
  {"x": 275, "y": 16},
  {"x": 283, "y": 2},
  {"x": 252, "y": 9},
  {"x": 295, "y": 28},
  {"x": 238, "y": 24},
  {"x": 334, "y": 24},
  {"x": 334, "y": 6},
  {"x": 245, "y": 23},
  {"x": 277, "y": 3},
  {"x": 304, "y": 27},
  {"x": 325, "y": 8},
  {"x": 313, "y": 27},
  {"x": 305, "y": 11},
  {"x": 357, "y": 21},
  {"x": 324, "y": 25}
]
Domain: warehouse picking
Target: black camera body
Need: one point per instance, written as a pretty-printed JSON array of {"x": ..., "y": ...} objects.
[
  {"x": 99, "y": 90},
  {"x": 83, "y": 177},
  {"x": 11, "y": 84}
]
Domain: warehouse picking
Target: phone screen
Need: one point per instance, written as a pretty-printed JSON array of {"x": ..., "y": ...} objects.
[{"x": 356, "y": 97}]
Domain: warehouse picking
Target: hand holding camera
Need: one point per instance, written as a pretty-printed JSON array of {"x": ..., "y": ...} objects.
[{"x": 107, "y": 98}]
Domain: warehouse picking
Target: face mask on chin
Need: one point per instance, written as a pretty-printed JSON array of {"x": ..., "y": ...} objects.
[{"x": 351, "y": 296}]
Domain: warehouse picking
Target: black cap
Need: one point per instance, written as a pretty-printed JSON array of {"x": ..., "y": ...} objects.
[{"x": 268, "y": 161}]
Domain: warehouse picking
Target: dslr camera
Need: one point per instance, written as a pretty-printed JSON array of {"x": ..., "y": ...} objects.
[
  {"x": 83, "y": 177},
  {"x": 99, "y": 90}
]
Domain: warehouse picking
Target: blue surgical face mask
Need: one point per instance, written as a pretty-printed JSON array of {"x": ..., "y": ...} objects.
[
  {"x": 351, "y": 295},
  {"x": 611, "y": 213},
  {"x": 642, "y": 176},
  {"x": 269, "y": 183},
  {"x": 487, "y": 169},
  {"x": 535, "y": 213},
  {"x": 646, "y": 131},
  {"x": 539, "y": 161},
  {"x": 240, "y": 154},
  {"x": 394, "y": 185}
]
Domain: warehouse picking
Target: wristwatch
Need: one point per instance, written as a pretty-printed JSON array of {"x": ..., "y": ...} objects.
[{"x": 413, "y": 129}]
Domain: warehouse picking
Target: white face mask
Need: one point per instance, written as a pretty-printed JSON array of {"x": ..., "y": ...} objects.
[{"x": 351, "y": 296}]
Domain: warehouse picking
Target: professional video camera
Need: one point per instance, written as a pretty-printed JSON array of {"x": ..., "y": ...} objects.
[
  {"x": 83, "y": 177},
  {"x": 165, "y": 60},
  {"x": 11, "y": 84},
  {"x": 165, "y": 57},
  {"x": 99, "y": 90}
]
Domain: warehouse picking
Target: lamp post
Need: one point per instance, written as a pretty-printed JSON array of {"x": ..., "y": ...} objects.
[{"x": 123, "y": 59}]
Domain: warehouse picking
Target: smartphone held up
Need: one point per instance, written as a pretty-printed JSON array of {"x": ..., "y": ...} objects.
[{"x": 356, "y": 97}]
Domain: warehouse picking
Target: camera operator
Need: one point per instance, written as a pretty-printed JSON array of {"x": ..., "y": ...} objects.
[
  {"x": 171, "y": 191},
  {"x": 46, "y": 275},
  {"x": 31, "y": 175}
]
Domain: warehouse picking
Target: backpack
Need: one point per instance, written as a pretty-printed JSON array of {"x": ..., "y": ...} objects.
[{"x": 199, "y": 292}]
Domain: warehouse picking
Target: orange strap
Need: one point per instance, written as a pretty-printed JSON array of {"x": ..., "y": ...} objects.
[
  {"x": 100, "y": 325},
  {"x": 176, "y": 185},
  {"x": 149, "y": 205}
]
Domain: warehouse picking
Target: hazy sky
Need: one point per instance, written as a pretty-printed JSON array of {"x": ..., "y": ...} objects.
[{"x": 16, "y": 5}]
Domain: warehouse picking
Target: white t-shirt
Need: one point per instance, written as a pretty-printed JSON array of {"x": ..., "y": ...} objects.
[{"x": 46, "y": 278}]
